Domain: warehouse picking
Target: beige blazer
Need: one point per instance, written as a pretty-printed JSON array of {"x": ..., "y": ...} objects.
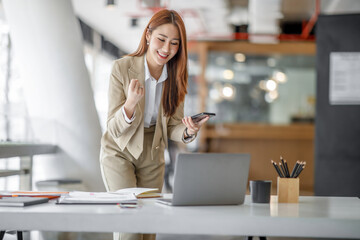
[{"x": 120, "y": 134}]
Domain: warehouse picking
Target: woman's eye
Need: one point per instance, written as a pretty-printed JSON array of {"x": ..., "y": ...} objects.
[
  {"x": 174, "y": 43},
  {"x": 162, "y": 40}
]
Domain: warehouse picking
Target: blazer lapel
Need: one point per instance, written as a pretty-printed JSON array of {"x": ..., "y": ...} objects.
[
  {"x": 137, "y": 71},
  {"x": 135, "y": 146},
  {"x": 164, "y": 121}
]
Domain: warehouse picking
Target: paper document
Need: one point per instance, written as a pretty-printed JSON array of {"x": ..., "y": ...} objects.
[
  {"x": 95, "y": 198},
  {"x": 344, "y": 84},
  {"x": 127, "y": 195},
  {"x": 140, "y": 192}
]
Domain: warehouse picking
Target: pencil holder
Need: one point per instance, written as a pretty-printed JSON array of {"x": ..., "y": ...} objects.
[{"x": 288, "y": 190}]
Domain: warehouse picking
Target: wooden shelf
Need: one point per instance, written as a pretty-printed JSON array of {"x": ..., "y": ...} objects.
[
  {"x": 284, "y": 48},
  {"x": 260, "y": 131}
]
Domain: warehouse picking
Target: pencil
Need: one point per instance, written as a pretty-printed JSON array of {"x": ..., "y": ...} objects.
[
  {"x": 282, "y": 169},
  {"x": 285, "y": 167},
  {"x": 279, "y": 171},
  {"x": 276, "y": 168},
  {"x": 302, "y": 168},
  {"x": 294, "y": 169},
  {"x": 298, "y": 169},
  {"x": 301, "y": 164}
]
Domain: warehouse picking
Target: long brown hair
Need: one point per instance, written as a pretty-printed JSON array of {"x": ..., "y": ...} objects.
[{"x": 175, "y": 87}]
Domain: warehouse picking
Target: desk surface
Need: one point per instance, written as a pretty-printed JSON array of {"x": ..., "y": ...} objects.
[{"x": 331, "y": 217}]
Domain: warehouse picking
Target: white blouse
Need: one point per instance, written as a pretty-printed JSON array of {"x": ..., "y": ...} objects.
[{"x": 153, "y": 92}]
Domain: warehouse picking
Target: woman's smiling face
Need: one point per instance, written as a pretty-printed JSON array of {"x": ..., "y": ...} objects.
[{"x": 163, "y": 42}]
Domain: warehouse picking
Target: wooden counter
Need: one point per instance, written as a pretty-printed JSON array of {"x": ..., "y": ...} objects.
[{"x": 265, "y": 142}]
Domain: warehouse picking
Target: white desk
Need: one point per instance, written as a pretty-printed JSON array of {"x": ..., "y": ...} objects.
[{"x": 331, "y": 217}]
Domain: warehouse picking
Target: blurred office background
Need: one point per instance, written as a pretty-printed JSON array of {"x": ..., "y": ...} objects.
[{"x": 252, "y": 62}]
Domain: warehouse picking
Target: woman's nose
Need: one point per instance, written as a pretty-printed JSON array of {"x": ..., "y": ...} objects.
[{"x": 166, "y": 47}]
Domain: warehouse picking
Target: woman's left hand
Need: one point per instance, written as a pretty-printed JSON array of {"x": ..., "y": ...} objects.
[{"x": 193, "y": 128}]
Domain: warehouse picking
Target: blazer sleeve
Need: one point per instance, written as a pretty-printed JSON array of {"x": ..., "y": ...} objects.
[
  {"x": 176, "y": 128},
  {"x": 116, "y": 123}
]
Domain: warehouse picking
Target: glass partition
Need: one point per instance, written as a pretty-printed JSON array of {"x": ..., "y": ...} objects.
[{"x": 272, "y": 89}]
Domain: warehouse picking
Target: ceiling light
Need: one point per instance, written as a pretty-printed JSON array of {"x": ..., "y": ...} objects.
[
  {"x": 274, "y": 94},
  {"x": 228, "y": 92},
  {"x": 262, "y": 85},
  {"x": 228, "y": 74},
  {"x": 271, "y": 85},
  {"x": 280, "y": 77},
  {"x": 268, "y": 99},
  {"x": 110, "y": 4},
  {"x": 271, "y": 96},
  {"x": 240, "y": 57}
]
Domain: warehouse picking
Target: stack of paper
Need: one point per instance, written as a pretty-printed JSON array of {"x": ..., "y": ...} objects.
[
  {"x": 49, "y": 195},
  {"x": 127, "y": 195},
  {"x": 21, "y": 201},
  {"x": 95, "y": 197}
]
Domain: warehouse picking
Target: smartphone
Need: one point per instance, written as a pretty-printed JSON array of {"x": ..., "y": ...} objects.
[
  {"x": 128, "y": 205},
  {"x": 198, "y": 117}
]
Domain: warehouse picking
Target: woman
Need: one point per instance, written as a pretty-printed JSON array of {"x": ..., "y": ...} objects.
[{"x": 146, "y": 104}]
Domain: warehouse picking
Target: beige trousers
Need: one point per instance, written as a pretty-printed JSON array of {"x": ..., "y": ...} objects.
[{"x": 120, "y": 170}]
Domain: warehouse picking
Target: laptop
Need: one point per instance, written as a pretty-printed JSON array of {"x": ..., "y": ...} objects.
[{"x": 209, "y": 179}]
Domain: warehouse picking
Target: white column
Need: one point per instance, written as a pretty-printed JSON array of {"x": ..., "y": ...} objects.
[{"x": 48, "y": 45}]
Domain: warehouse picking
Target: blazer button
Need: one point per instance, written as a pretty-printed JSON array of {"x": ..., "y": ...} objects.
[{"x": 157, "y": 147}]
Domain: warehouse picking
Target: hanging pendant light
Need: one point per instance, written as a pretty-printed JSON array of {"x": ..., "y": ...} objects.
[{"x": 110, "y": 4}]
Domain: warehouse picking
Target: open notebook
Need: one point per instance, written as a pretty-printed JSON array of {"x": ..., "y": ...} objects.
[{"x": 209, "y": 179}]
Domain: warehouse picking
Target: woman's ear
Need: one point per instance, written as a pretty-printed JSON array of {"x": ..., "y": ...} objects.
[{"x": 148, "y": 36}]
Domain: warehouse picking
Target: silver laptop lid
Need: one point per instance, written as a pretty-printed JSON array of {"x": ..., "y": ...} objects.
[{"x": 210, "y": 178}]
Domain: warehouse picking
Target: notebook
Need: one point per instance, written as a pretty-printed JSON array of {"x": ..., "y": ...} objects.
[
  {"x": 21, "y": 201},
  {"x": 209, "y": 179}
]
